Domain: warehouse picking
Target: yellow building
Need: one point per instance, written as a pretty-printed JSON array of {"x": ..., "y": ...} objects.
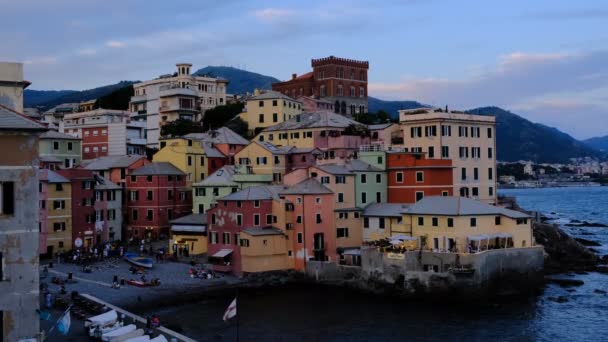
[
  {"x": 468, "y": 140},
  {"x": 267, "y": 108},
  {"x": 193, "y": 157},
  {"x": 189, "y": 235},
  {"x": 264, "y": 249},
  {"x": 464, "y": 225},
  {"x": 58, "y": 213},
  {"x": 385, "y": 220}
]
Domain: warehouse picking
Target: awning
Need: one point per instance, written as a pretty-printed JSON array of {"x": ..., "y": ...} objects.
[
  {"x": 479, "y": 237},
  {"x": 222, "y": 253},
  {"x": 503, "y": 235},
  {"x": 352, "y": 252},
  {"x": 403, "y": 237}
]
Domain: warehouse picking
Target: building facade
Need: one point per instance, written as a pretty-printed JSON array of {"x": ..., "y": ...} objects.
[
  {"x": 55, "y": 213},
  {"x": 83, "y": 209},
  {"x": 12, "y": 85},
  {"x": 468, "y": 140},
  {"x": 108, "y": 210},
  {"x": 178, "y": 96},
  {"x": 106, "y": 132},
  {"x": 267, "y": 108},
  {"x": 340, "y": 81},
  {"x": 59, "y": 147}
]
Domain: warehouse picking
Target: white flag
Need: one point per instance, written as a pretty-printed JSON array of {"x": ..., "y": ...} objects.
[
  {"x": 230, "y": 311},
  {"x": 64, "y": 323}
]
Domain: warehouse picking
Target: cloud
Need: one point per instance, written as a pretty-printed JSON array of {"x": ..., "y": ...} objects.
[
  {"x": 115, "y": 44},
  {"x": 273, "y": 14},
  {"x": 86, "y": 52},
  {"x": 532, "y": 82}
]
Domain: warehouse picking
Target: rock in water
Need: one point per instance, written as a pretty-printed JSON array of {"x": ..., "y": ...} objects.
[{"x": 563, "y": 252}]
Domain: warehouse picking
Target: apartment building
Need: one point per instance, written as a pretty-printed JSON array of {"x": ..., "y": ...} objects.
[
  {"x": 175, "y": 96},
  {"x": 12, "y": 86},
  {"x": 106, "y": 132},
  {"x": 19, "y": 281},
  {"x": 108, "y": 210},
  {"x": 340, "y": 81},
  {"x": 59, "y": 150},
  {"x": 223, "y": 139},
  {"x": 55, "y": 213},
  {"x": 468, "y": 140},
  {"x": 267, "y": 108},
  {"x": 83, "y": 211}
]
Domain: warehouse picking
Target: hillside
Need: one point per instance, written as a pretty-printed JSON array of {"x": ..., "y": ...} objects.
[
  {"x": 51, "y": 98},
  {"x": 518, "y": 138},
  {"x": 241, "y": 81},
  {"x": 598, "y": 143},
  {"x": 391, "y": 107}
]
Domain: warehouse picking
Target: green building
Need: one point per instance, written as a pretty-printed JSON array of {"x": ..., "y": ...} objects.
[
  {"x": 370, "y": 182},
  {"x": 228, "y": 179},
  {"x": 59, "y": 149}
]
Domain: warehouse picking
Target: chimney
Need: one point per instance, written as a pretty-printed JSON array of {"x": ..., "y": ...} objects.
[
  {"x": 256, "y": 92},
  {"x": 293, "y": 76}
]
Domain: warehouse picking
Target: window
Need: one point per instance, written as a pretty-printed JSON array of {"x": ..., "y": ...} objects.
[
  {"x": 149, "y": 179},
  {"x": 189, "y": 160},
  {"x": 340, "y": 179},
  {"x": 55, "y": 145},
  {"x": 300, "y": 238},
  {"x": 366, "y": 222},
  {"x": 522, "y": 221},
  {"x": 419, "y": 176},
  {"x": 497, "y": 220},
  {"x": 361, "y": 92},
  {"x": 419, "y": 195},
  {"x": 363, "y": 197},
  {"x": 445, "y": 152},
  {"x": 430, "y": 131},
  {"x": 325, "y": 180},
  {"x": 490, "y": 153},
  {"x": 463, "y": 152},
  {"x": 446, "y": 131},
  {"x": 342, "y": 232},
  {"x": 244, "y": 243},
  {"x": 133, "y": 179},
  {"x": 213, "y": 219},
  {"x": 490, "y": 173},
  {"x": 445, "y": 193},
  {"x": 135, "y": 214},
  {"x": 318, "y": 200},
  {"x": 226, "y": 238},
  {"x": 473, "y": 222},
  {"x": 363, "y": 178},
  {"x": 268, "y": 219},
  {"x": 58, "y": 204},
  {"x": 475, "y": 173},
  {"x": 239, "y": 204},
  {"x": 239, "y": 219},
  {"x": 476, "y": 152},
  {"x": 256, "y": 203},
  {"x": 431, "y": 153},
  {"x": 319, "y": 218},
  {"x": 150, "y": 215},
  {"x": 450, "y": 222},
  {"x": 343, "y": 216},
  {"x": 475, "y": 191},
  {"x": 491, "y": 191},
  {"x": 421, "y": 221},
  {"x": 378, "y": 178},
  {"x": 150, "y": 195},
  {"x": 435, "y": 221},
  {"x": 275, "y": 118},
  {"x": 58, "y": 187},
  {"x": 104, "y": 148},
  {"x": 378, "y": 197},
  {"x": 59, "y": 226},
  {"x": 256, "y": 219},
  {"x": 399, "y": 177},
  {"x": 340, "y": 197},
  {"x": 199, "y": 192},
  {"x": 381, "y": 223},
  {"x": 261, "y": 118},
  {"x": 213, "y": 238},
  {"x": 299, "y": 200},
  {"x": 489, "y": 132},
  {"x": 463, "y": 173},
  {"x": 183, "y": 195},
  {"x": 261, "y": 103}
]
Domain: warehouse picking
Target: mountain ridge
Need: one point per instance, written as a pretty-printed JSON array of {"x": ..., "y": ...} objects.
[{"x": 599, "y": 143}]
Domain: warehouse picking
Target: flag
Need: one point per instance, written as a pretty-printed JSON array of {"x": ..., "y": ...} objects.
[
  {"x": 230, "y": 311},
  {"x": 64, "y": 323}
]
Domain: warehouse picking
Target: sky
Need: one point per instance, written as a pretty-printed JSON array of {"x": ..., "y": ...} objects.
[{"x": 546, "y": 60}]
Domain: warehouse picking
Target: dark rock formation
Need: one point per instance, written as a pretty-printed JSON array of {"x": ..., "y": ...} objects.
[
  {"x": 586, "y": 242},
  {"x": 575, "y": 223},
  {"x": 563, "y": 253}
]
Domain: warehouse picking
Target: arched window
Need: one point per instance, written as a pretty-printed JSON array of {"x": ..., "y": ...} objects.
[
  {"x": 322, "y": 90},
  {"x": 340, "y": 90},
  {"x": 361, "y": 109},
  {"x": 352, "y": 109},
  {"x": 337, "y": 107},
  {"x": 343, "y": 109}
]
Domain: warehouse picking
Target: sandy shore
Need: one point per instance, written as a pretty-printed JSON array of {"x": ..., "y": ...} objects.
[{"x": 176, "y": 284}]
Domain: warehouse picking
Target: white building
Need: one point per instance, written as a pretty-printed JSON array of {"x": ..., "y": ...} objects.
[{"x": 177, "y": 96}]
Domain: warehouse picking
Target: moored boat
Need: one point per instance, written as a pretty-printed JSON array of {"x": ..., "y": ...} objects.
[{"x": 136, "y": 260}]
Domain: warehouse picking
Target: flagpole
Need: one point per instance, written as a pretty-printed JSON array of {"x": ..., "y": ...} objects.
[
  {"x": 237, "y": 314},
  {"x": 59, "y": 319}
]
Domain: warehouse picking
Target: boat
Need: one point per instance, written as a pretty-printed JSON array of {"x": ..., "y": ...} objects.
[
  {"x": 136, "y": 260},
  {"x": 159, "y": 338},
  {"x": 128, "y": 331},
  {"x": 105, "y": 328},
  {"x": 107, "y": 318},
  {"x": 139, "y": 283}
]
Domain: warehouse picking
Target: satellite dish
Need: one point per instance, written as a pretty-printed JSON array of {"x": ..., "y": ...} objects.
[{"x": 78, "y": 242}]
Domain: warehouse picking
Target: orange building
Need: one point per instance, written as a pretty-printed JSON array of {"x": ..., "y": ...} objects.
[{"x": 411, "y": 177}]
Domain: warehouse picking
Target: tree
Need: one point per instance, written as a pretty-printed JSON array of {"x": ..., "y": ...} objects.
[
  {"x": 118, "y": 99},
  {"x": 239, "y": 127},
  {"x": 220, "y": 115},
  {"x": 180, "y": 127}
]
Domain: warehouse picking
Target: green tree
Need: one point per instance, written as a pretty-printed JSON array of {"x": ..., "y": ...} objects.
[
  {"x": 181, "y": 127},
  {"x": 220, "y": 115},
  {"x": 239, "y": 126},
  {"x": 118, "y": 99}
]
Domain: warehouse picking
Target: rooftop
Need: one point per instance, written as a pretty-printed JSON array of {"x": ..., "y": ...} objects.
[
  {"x": 261, "y": 231},
  {"x": 334, "y": 169},
  {"x": 359, "y": 165},
  {"x": 13, "y": 120},
  {"x": 260, "y": 192},
  {"x": 308, "y": 186},
  {"x": 222, "y": 135},
  {"x": 385, "y": 209},
  {"x": 459, "y": 206},
  {"x": 192, "y": 219},
  {"x": 157, "y": 169},
  {"x": 103, "y": 183},
  {"x": 271, "y": 95},
  {"x": 380, "y": 126},
  {"x": 223, "y": 176},
  {"x": 108, "y": 162},
  {"x": 52, "y": 177},
  {"x": 314, "y": 120},
  {"x": 56, "y": 135}
]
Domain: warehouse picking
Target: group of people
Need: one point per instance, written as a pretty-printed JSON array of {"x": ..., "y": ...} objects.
[{"x": 201, "y": 273}]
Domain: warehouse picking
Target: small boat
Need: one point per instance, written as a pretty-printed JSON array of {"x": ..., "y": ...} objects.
[
  {"x": 114, "y": 334},
  {"x": 159, "y": 338},
  {"x": 139, "y": 261},
  {"x": 107, "y": 318},
  {"x": 105, "y": 328},
  {"x": 139, "y": 283}
]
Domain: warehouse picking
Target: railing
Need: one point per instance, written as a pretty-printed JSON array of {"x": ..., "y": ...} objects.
[{"x": 371, "y": 148}]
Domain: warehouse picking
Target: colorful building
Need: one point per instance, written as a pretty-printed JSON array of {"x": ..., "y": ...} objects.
[
  {"x": 106, "y": 132},
  {"x": 464, "y": 225},
  {"x": 384, "y": 220},
  {"x": 157, "y": 194},
  {"x": 267, "y": 108},
  {"x": 412, "y": 176},
  {"x": 189, "y": 235},
  {"x": 335, "y": 135},
  {"x": 340, "y": 81},
  {"x": 193, "y": 157},
  {"x": 108, "y": 210},
  {"x": 58, "y": 148},
  {"x": 386, "y": 134},
  {"x": 116, "y": 168},
  {"x": 83, "y": 209},
  {"x": 249, "y": 209},
  {"x": 55, "y": 213},
  {"x": 315, "y": 104},
  {"x": 468, "y": 140},
  {"x": 224, "y": 140},
  {"x": 228, "y": 179},
  {"x": 265, "y": 158}
]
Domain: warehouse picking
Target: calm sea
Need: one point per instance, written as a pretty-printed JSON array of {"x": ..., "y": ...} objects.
[{"x": 310, "y": 313}]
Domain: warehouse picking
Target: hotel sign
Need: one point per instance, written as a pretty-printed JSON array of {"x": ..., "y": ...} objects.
[{"x": 397, "y": 256}]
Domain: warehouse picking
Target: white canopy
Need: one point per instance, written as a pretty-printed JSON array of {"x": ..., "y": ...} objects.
[
  {"x": 503, "y": 235},
  {"x": 403, "y": 237},
  {"x": 118, "y": 332},
  {"x": 159, "y": 338},
  {"x": 103, "y": 319},
  {"x": 222, "y": 253},
  {"x": 352, "y": 252},
  {"x": 144, "y": 338},
  {"x": 479, "y": 237}
]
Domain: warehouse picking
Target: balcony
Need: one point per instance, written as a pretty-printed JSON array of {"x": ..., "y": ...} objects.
[
  {"x": 178, "y": 91},
  {"x": 139, "y": 98}
]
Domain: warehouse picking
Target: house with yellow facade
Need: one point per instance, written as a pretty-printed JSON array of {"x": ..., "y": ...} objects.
[
  {"x": 55, "y": 212},
  {"x": 385, "y": 220},
  {"x": 193, "y": 157},
  {"x": 463, "y": 225},
  {"x": 189, "y": 235},
  {"x": 264, "y": 249},
  {"x": 267, "y": 108}
]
